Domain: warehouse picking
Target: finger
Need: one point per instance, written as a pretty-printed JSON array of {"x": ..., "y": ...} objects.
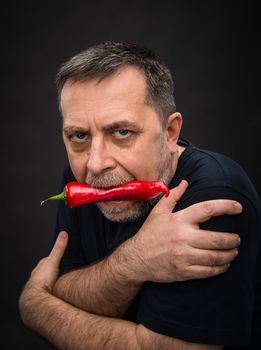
[
  {"x": 203, "y": 211},
  {"x": 59, "y": 247},
  {"x": 212, "y": 257},
  {"x": 199, "y": 272},
  {"x": 166, "y": 204},
  {"x": 204, "y": 239}
]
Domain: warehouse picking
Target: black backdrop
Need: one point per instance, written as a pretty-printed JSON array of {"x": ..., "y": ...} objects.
[{"x": 212, "y": 50}]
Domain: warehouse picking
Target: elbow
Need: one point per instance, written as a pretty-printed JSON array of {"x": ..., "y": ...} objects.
[
  {"x": 141, "y": 339},
  {"x": 23, "y": 307}
]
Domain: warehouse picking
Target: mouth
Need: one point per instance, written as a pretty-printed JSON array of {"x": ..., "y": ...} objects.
[{"x": 113, "y": 203}]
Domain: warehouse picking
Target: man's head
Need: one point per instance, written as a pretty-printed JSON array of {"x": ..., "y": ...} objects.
[
  {"x": 119, "y": 120},
  {"x": 103, "y": 60}
]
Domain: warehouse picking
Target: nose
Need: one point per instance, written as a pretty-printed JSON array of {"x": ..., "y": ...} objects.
[{"x": 99, "y": 158}]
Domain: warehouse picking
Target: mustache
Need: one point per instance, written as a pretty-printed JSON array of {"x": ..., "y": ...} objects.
[{"x": 107, "y": 180}]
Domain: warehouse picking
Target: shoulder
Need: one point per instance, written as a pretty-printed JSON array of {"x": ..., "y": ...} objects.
[
  {"x": 208, "y": 170},
  {"x": 208, "y": 165}
]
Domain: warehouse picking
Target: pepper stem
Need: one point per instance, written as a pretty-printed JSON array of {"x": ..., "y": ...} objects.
[{"x": 60, "y": 196}]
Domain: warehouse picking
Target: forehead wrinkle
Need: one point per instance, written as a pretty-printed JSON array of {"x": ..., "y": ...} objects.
[
  {"x": 105, "y": 102},
  {"x": 129, "y": 79}
]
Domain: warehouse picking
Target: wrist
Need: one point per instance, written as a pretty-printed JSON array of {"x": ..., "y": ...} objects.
[{"x": 130, "y": 262}]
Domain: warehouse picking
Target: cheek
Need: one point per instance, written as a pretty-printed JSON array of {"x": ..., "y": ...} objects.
[
  {"x": 149, "y": 167},
  {"x": 142, "y": 163}
]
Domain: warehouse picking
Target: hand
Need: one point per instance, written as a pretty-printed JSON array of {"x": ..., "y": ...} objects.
[
  {"x": 46, "y": 272},
  {"x": 171, "y": 247},
  {"x": 41, "y": 281}
]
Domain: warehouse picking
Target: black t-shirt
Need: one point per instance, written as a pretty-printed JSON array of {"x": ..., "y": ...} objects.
[{"x": 216, "y": 310}]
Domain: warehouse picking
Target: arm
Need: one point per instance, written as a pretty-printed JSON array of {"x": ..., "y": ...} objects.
[
  {"x": 105, "y": 288},
  {"x": 108, "y": 287},
  {"x": 216, "y": 310},
  {"x": 67, "y": 327}
]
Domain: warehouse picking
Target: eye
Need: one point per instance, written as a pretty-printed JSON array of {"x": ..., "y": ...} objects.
[
  {"x": 79, "y": 137},
  {"x": 122, "y": 133}
]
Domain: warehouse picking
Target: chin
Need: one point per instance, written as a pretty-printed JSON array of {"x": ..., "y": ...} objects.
[{"x": 123, "y": 212}]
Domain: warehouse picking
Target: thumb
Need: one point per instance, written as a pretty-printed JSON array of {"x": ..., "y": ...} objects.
[
  {"x": 59, "y": 247},
  {"x": 167, "y": 204}
]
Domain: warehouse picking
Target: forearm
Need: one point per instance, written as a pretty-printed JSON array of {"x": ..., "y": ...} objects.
[
  {"x": 105, "y": 288},
  {"x": 69, "y": 328}
]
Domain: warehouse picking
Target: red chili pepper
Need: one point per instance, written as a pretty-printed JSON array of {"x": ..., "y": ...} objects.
[{"x": 76, "y": 193}]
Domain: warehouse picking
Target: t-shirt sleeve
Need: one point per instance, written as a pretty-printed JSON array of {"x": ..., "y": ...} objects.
[
  {"x": 66, "y": 219},
  {"x": 216, "y": 310}
]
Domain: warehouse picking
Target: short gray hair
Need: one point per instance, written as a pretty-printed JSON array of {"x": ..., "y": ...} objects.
[{"x": 102, "y": 60}]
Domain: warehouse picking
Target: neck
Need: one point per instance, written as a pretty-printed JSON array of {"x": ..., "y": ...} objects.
[{"x": 175, "y": 158}]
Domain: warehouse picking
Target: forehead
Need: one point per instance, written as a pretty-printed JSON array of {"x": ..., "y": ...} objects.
[
  {"x": 120, "y": 96},
  {"x": 128, "y": 83}
]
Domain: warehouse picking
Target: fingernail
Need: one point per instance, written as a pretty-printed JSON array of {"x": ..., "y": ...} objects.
[
  {"x": 62, "y": 236},
  {"x": 238, "y": 206}
]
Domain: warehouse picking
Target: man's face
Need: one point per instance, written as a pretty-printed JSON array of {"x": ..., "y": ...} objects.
[{"x": 112, "y": 136}]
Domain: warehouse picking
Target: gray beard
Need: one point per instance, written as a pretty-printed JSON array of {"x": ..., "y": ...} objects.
[{"x": 136, "y": 209}]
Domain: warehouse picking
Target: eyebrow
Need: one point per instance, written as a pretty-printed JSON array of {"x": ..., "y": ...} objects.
[
  {"x": 70, "y": 129},
  {"x": 115, "y": 125},
  {"x": 120, "y": 124}
]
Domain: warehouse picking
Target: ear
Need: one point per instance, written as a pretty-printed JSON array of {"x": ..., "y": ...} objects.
[{"x": 174, "y": 124}]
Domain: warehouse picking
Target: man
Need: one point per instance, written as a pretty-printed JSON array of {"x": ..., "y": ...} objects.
[{"x": 143, "y": 274}]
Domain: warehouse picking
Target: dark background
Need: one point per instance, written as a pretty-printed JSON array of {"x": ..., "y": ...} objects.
[{"x": 211, "y": 48}]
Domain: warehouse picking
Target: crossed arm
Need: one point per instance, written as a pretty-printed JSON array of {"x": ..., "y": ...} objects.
[
  {"x": 68, "y": 327},
  {"x": 108, "y": 287}
]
